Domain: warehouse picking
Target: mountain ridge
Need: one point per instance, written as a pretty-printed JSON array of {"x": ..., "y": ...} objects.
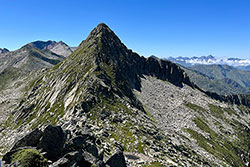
[
  {"x": 59, "y": 48},
  {"x": 105, "y": 105}
]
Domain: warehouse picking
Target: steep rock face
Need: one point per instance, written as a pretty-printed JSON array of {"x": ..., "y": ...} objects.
[
  {"x": 95, "y": 100},
  {"x": 239, "y": 99}
]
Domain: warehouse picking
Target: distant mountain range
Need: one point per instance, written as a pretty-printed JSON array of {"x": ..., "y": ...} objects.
[
  {"x": 31, "y": 58},
  {"x": 221, "y": 79},
  {"x": 218, "y": 75},
  {"x": 59, "y": 48},
  {"x": 243, "y": 64}
]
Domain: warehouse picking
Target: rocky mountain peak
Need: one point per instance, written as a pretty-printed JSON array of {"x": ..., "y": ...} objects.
[
  {"x": 102, "y": 36},
  {"x": 101, "y": 29},
  {"x": 4, "y": 50},
  {"x": 42, "y": 44},
  {"x": 59, "y": 48}
]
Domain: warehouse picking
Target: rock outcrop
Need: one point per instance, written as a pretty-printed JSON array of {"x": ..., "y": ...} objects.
[{"x": 64, "y": 148}]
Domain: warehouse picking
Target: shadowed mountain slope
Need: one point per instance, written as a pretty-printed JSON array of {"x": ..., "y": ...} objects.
[
  {"x": 224, "y": 86},
  {"x": 225, "y": 72}
]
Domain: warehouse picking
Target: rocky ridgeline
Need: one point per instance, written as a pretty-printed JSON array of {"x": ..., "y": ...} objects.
[
  {"x": 98, "y": 107},
  {"x": 29, "y": 59},
  {"x": 59, "y": 48}
]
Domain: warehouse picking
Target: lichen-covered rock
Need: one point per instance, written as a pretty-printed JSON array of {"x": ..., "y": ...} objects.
[{"x": 27, "y": 158}]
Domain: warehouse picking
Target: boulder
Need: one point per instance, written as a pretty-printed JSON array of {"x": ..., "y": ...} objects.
[
  {"x": 31, "y": 139},
  {"x": 116, "y": 160},
  {"x": 68, "y": 160},
  {"x": 52, "y": 142}
]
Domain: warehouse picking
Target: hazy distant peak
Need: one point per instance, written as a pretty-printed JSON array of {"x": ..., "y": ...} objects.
[
  {"x": 4, "y": 50},
  {"x": 59, "y": 48},
  {"x": 43, "y": 44},
  {"x": 208, "y": 60}
]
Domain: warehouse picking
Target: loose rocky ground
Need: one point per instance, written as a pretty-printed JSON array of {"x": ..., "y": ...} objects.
[{"x": 176, "y": 110}]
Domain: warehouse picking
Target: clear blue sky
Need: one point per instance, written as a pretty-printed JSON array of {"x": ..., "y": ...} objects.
[{"x": 162, "y": 28}]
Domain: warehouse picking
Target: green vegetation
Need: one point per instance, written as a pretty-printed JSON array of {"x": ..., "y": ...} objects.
[
  {"x": 195, "y": 107},
  {"x": 221, "y": 86},
  {"x": 229, "y": 111},
  {"x": 50, "y": 115},
  {"x": 244, "y": 109},
  {"x": 203, "y": 126},
  {"x": 125, "y": 136},
  {"x": 8, "y": 75},
  {"x": 153, "y": 164},
  {"x": 8, "y": 122},
  {"x": 35, "y": 82},
  {"x": 216, "y": 111},
  {"x": 220, "y": 146},
  {"x": 28, "y": 158},
  {"x": 140, "y": 147},
  {"x": 243, "y": 134},
  {"x": 225, "y": 71}
]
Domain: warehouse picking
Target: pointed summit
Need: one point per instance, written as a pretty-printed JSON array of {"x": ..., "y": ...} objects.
[
  {"x": 101, "y": 29},
  {"x": 102, "y": 37}
]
